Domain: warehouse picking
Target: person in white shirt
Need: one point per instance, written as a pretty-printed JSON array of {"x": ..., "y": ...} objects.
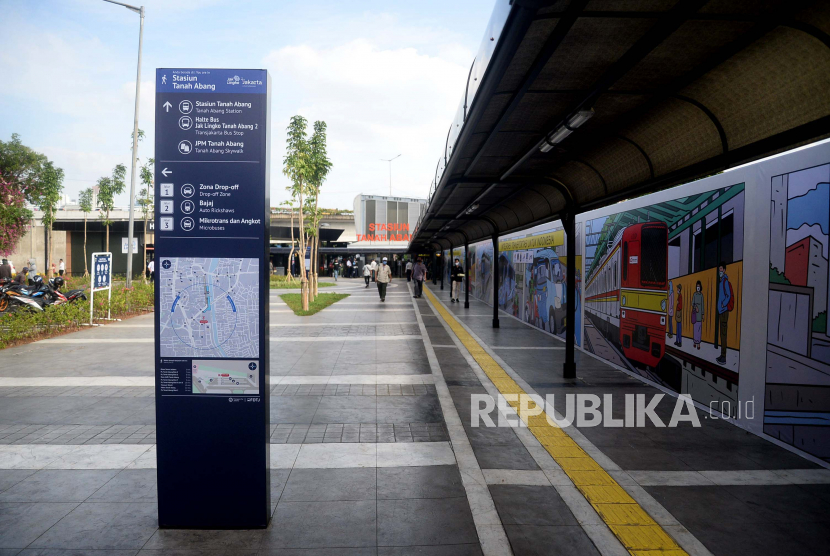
[
  {"x": 384, "y": 276},
  {"x": 61, "y": 267},
  {"x": 348, "y": 268},
  {"x": 374, "y": 269},
  {"x": 409, "y": 271},
  {"x": 151, "y": 267},
  {"x": 367, "y": 273}
]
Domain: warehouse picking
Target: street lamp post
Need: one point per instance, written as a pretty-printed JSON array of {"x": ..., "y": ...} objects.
[
  {"x": 389, "y": 160},
  {"x": 139, "y": 11}
]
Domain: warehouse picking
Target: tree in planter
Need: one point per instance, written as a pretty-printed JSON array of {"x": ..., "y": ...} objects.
[
  {"x": 146, "y": 202},
  {"x": 108, "y": 188},
  {"x": 297, "y": 168},
  {"x": 85, "y": 202},
  {"x": 49, "y": 195},
  {"x": 320, "y": 168}
]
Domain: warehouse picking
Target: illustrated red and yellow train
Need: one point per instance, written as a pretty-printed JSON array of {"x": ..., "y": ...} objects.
[{"x": 625, "y": 297}]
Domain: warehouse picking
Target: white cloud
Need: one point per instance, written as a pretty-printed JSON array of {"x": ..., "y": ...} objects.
[{"x": 378, "y": 102}]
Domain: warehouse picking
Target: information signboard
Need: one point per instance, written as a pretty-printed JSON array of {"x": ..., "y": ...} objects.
[
  {"x": 101, "y": 280},
  {"x": 211, "y": 298}
]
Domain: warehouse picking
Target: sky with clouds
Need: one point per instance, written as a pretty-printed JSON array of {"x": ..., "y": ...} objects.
[{"x": 387, "y": 77}]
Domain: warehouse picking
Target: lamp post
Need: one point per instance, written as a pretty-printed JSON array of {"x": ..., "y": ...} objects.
[
  {"x": 389, "y": 160},
  {"x": 140, "y": 12}
]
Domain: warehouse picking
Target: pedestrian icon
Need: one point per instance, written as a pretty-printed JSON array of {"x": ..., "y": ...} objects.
[
  {"x": 187, "y": 206},
  {"x": 165, "y": 265},
  {"x": 164, "y": 80},
  {"x": 185, "y": 147},
  {"x": 185, "y": 122},
  {"x": 187, "y": 224},
  {"x": 188, "y": 190},
  {"x": 185, "y": 107}
]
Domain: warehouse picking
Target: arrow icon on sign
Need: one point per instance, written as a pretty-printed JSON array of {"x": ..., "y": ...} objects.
[
  {"x": 165, "y": 172},
  {"x": 167, "y": 106}
]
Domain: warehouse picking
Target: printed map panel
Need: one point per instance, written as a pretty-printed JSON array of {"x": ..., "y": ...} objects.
[
  {"x": 225, "y": 376},
  {"x": 209, "y": 307}
]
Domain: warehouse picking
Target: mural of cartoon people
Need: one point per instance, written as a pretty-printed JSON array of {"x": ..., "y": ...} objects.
[
  {"x": 725, "y": 304},
  {"x": 671, "y": 308},
  {"x": 678, "y": 315},
  {"x": 697, "y": 313}
]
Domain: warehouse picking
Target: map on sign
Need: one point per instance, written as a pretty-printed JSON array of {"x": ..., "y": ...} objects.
[
  {"x": 223, "y": 376},
  {"x": 209, "y": 307}
]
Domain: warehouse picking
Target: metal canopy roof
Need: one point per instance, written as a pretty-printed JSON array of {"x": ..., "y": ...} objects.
[{"x": 678, "y": 89}]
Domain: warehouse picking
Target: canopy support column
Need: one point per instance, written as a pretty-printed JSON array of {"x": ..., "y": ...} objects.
[
  {"x": 494, "y": 273},
  {"x": 569, "y": 368},
  {"x": 466, "y": 274}
]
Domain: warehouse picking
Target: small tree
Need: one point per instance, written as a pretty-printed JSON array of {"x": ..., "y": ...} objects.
[
  {"x": 108, "y": 188},
  {"x": 146, "y": 202},
  {"x": 49, "y": 195},
  {"x": 22, "y": 167},
  {"x": 85, "y": 202},
  {"x": 320, "y": 168},
  {"x": 296, "y": 166}
]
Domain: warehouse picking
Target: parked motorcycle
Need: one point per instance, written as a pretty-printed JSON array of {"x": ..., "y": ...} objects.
[{"x": 38, "y": 295}]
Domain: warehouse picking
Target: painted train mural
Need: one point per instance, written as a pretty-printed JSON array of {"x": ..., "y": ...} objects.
[{"x": 660, "y": 292}]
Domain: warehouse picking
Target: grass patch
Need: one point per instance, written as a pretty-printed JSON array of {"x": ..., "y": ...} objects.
[
  {"x": 323, "y": 300},
  {"x": 295, "y": 285}
]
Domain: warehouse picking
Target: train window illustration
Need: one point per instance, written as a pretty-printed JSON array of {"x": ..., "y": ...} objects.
[
  {"x": 710, "y": 250},
  {"x": 625, "y": 261},
  {"x": 727, "y": 237},
  {"x": 653, "y": 249},
  {"x": 697, "y": 248}
]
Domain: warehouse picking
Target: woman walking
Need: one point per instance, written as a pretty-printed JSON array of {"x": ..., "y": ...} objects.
[
  {"x": 367, "y": 273},
  {"x": 697, "y": 313}
]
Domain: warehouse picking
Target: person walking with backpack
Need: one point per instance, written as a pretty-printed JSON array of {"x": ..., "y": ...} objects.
[
  {"x": 726, "y": 302},
  {"x": 456, "y": 277},
  {"x": 367, "y": 273},
  {"x": 383, "y": 277}
]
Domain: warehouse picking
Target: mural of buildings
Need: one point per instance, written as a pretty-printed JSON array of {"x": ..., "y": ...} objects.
[
  {"x": 797, "y": 400},
  {"x": 662, "y": 292}
]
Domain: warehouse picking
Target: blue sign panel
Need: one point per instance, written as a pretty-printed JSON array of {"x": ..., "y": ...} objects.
[
  {"x": 101, "y": 268},
  {"x": 212, "y": 292}
]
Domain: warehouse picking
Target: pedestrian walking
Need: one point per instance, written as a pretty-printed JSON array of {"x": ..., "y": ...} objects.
[
  {"x": 61, "y": 267},
  {"x": 384, "y": 276},
  {"x": 367, "y": 273},
  {"x": 419, "y": 274},
  {"x": 456, "y": 277},
  {"x": 374, "y": 270},
  {"x": 334, "y": 270},
  {"x": 726, "y": 302},
  {"x": 151, "y": 268},
  {"x": 409, "y": 271},
  {"x": 348, "y": 268},
  {"x": 697, "y": 313},
  {"x": 678, "y": 315}
]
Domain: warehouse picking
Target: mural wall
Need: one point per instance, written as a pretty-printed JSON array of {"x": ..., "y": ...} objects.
[
  {"x": 797, "y": 397},
  {"x": 663, "y": 292},
  {"x": 532, "y": 277}
]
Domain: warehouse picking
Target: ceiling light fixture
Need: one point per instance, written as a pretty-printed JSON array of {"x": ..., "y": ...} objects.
[
  {"x": 471, "y": 209},
  {"x": 559, "y": 134}
]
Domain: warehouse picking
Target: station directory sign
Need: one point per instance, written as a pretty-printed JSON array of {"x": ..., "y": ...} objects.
[{"x": 211, "y": 297}]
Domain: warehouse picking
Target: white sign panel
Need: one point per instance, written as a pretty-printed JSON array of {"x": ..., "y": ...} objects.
[
  {"x": 523, "y": 257},
  {"x": 124, "y": 241}
]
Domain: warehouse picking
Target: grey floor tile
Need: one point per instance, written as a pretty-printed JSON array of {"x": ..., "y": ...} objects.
[
  {"x": 191, "y": 539},
  {"x": 440, "y": 481},
  {"x": 531, "y": 505},
  {"x": 10, "y": 477},
  {"x": 504, "y": 457},
  {"x": 561, "y": 540},
  {"x": 23, "y": 522},
  {"x": 339, "y": 551},
  {"x": 129, "y": 485},
  {"x": 438, "y": 550},
  {"x": 278, "y": 479},
  {"x": 322, "y": 525},
  {"x": 308, "y": 485},
  {"x": 53, "y": 485},
  {"x": 782, "y": 503},
  {"x": 62, "y": 552},
  {"x": 425, "y": 521},
  {"x": 115, "y": 526}
]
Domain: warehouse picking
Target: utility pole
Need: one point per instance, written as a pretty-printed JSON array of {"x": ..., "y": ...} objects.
[
  {"x": 131, "y": 232},
  {"x": 389, "y": 160}
]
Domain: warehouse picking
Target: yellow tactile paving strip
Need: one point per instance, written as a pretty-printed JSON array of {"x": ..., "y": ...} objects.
[{"x": 631, "y": 524}]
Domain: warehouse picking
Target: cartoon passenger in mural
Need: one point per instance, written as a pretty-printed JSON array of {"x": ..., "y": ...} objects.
[
  {"x": 698, "y": 313},
  {"x": 655, "y": 277}
]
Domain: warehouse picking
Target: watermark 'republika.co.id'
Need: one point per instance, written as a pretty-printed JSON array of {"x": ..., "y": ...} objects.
[{"x": 583, "y": 410}]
